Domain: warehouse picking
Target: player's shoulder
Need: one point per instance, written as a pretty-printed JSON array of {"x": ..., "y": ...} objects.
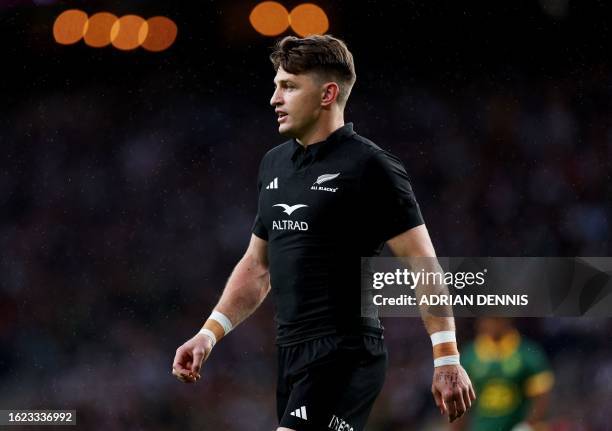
[
  {"x": 370, "y": 151},
  {"x": 373, "y": 157},
  {"x": 286, "y": 147},
  {"x": 278, "y": 152},
  {"x": 364, "y": 145}
]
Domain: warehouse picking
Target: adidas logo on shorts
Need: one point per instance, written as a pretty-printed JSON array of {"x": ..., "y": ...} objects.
[{"x": 300, "y": 413}]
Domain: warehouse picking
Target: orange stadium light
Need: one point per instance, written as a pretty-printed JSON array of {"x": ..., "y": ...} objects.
[
  {"x": 162, "y": 34},
  {"x": 129, "y": 32},
  {"x": 307, "y": 19},
  {"x": 126, "y": 33},
  {"x": 269, "y": 18},
  {"x": 98, "y": 29},
  {"x": 69, "y": 26}
]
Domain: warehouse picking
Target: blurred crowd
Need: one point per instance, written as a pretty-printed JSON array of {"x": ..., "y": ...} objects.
[{"x": 122, "y": 220}]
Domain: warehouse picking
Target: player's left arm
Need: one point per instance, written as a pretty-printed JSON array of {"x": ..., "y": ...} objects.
[
  {"x": 537, "y": 387},
  {"x": 451, "y": 387}
]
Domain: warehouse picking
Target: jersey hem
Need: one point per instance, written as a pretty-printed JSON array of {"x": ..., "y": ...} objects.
[{"x": 298, "y": 339}]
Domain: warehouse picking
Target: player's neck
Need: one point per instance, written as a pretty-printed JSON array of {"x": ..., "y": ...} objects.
[{"x": 321, "y": 130}]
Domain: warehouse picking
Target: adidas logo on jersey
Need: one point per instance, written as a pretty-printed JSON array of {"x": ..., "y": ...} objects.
[
  {"x": 300, "y": 413},
  {"x": 273, "y": 184}
]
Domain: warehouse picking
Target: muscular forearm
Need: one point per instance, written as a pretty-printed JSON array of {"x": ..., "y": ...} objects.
[
  {"x": 435, "y": 318},
  {"x": 245, "y": 290},
  {"x": 415, "y": 250},
  {"x": 436, "y": 324}
]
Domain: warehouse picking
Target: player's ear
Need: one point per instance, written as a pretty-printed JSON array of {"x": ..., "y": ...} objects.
[{"x": 330, "y": 93}]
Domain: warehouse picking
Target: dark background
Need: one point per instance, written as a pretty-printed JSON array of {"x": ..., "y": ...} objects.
[{"x": 127, "y": 189}]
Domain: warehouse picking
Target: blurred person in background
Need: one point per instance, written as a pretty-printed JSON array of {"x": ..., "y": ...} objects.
[{"x": 512, "y": 376}]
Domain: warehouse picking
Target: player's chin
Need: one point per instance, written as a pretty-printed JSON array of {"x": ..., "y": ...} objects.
[{"x": 285, "y": 130}]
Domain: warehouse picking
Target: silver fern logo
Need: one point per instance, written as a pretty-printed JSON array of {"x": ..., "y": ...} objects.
[{"x": 325, "y": 178}]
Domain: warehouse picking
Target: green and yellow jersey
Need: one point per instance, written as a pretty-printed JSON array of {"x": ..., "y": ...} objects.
[{"x": 505, "y": 374}]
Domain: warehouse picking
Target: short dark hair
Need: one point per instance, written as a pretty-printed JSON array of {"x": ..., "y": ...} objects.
[{"x": 326, "y": 55}]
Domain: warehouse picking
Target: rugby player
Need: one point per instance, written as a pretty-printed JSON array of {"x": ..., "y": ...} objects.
[
  {"x": 513, "y": 378},
  {"x": 327, "y": 196}
]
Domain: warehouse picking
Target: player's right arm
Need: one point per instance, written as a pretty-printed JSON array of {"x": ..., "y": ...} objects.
[{"x": 245, "y": 290}]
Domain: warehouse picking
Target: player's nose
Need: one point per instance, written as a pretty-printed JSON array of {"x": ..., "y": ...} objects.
[{"x": 276, "y": 98}]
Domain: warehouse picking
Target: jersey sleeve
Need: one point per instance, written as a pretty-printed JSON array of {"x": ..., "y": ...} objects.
[
  {"x": 540, "y": 378},
  {"x": 392, "y": 206},
  {"x": 258, "y": 228}
]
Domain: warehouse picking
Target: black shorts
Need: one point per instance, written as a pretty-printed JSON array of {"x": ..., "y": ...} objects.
[{"x": 330, "y": 383}]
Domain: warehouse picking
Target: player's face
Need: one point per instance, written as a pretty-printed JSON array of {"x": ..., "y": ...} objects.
[
  {"x": 494, "y": 327},
  {"x": 297, "y": 102}
]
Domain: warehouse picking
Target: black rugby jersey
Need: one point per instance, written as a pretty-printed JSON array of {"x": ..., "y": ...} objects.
[{"x": 321, "y": 208}]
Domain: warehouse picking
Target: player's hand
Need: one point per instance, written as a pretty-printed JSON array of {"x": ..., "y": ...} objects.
[
  {"x": 452, "y": 390},
  {"x": 189, "y": 358}
]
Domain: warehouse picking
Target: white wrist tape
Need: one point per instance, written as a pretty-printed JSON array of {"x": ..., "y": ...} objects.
[
  {"x": 223, "y": 320},
  {"x": 443, "y": 337},
  {"x": 446, "y": 360},
  {"x": 210, "y": 335}
]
